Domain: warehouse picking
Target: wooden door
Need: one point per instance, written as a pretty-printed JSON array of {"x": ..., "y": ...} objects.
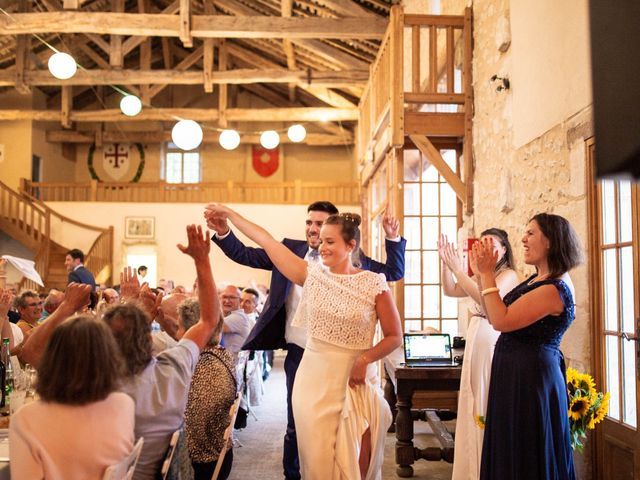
[{"x": 616, "y": 287}]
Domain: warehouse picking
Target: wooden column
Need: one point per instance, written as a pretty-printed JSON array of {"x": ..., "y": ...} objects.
[
  {"x": 66, "y": 105},
  {"x": 223, "y": 92},
  {"x": 115, "y": 45},
  {"x": 207, "y": 61}
]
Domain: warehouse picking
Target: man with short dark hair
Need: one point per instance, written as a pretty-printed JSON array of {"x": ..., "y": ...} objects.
[
  {"x": 273, "y": 329},
  {"x": 249, "y": 303},
  {"x": 29, "y": 307},
  {"x": 77, "y": 272}
]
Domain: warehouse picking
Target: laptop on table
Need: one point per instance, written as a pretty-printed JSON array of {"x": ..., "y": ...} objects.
[{"x": 427, "y": 350}]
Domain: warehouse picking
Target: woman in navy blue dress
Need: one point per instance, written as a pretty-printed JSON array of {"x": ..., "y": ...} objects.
[{"x": 527, "y": 424}]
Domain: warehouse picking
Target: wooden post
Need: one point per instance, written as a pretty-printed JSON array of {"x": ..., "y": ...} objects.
[
  {"x": 468, "y": 109},
  {"x": 94, "y": 190},
  {"x": 185, "y": 23},
  {"x": 115, "y": 47},
  {"x": 396, "y": 39},
  {"x": 67, "y": 106},
  {"x": 222, "y": 97},
  {"x": 297, "y": 191}
]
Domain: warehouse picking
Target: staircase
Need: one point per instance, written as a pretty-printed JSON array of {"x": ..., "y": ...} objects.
[{"x": 29, "y": 221}]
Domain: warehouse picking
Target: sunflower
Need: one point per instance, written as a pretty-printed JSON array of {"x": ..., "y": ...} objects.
[
  {"x": 578, "y": 408},
  {"x": 572, "y": 377},
  {"x": 480, "y": 421},
  {"x": 601, "y": 412}
]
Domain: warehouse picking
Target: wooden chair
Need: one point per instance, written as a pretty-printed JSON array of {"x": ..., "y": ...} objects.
[
  {"x": 124, "y": 470},
  {"x": 233, "y": 411},
  {"x": 166, "y": 465}
]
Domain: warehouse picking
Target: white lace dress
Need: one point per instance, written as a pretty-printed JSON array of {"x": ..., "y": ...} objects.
[{"x": 339, "y": 313}]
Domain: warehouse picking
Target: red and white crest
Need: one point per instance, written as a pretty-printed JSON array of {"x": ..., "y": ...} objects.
[
  {"x": 116, "y": 161},
  {"x": 265, "y": 162}
]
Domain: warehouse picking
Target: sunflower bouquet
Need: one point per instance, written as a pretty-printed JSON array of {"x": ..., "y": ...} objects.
[{"x": 587, "y": 406}]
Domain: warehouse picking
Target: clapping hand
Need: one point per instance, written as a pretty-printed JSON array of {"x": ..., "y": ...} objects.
[
  {"x": 76, "y": 296},
  {"x": 198, "y": 246},
  {"x": 150, "y": 301},
  {"x": 483, "y": 257},
  {"x": 6, "y": 300},
  {"x": 129, "y": 284},
  {"x": 449, "y": 254},
  {"x": 391, "y": 226}
]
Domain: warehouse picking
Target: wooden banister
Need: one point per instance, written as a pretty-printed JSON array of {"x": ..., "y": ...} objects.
[{"x": 28, "y": 219}]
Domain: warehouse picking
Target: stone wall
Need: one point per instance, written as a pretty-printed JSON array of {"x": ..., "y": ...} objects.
[{"x": 547, "y": 174}]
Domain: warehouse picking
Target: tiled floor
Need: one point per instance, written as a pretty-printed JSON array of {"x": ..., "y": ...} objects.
[{"x": 260, "y": 456}]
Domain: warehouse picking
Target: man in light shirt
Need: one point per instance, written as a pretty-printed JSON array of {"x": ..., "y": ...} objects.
[{"x": 236, "y": 326}]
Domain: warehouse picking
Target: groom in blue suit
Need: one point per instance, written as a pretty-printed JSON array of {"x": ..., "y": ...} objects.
[{"x": 273, "y": 329}]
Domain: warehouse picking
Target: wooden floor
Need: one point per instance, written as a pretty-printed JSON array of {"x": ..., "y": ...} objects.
[{"x": 260, "y": 455}]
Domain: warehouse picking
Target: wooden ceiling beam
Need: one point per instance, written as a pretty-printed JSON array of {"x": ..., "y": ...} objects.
[
  {"x": 347, "y": 8},
  {"x": 202, "y": 26},
  {"x": 191, "y": 59},
  {"x": 176, "y": 76},
  {"x": 302, "y": 114},
  {"x": 286, "y": 9},
  {"x": 66, "y": 136}
]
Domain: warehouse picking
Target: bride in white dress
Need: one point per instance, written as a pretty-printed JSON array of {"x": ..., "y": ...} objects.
[{"x": 340, "y": 413}]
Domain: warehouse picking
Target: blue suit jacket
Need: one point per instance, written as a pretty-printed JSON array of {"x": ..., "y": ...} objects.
[
  {"x": 82, "y": 275},
  {"x": 268, "y": 333}
]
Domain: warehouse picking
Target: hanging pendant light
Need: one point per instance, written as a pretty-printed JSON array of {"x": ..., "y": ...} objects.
[
  {"x": 187, "y": 134},
  {"x": 296, "y": 133},
  {"x": 270, "y": 139},
  {"x": 130, "y": 105},
  {"x": 229, "y": 139},
  {"x": 62, "y": 65}
]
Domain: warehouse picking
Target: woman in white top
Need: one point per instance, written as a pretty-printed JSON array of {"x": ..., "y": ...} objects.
[
  {"x": 340, "y": 413},
  {"x": 80, "y": 425},
  {"x": 478, "y": 352}
]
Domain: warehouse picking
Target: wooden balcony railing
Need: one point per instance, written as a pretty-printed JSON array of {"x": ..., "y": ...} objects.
[
  {"x": 420, "y": 82},
  {"x": 297, "y": 192}
]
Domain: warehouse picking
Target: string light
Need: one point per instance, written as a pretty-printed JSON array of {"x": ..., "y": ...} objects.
[
  {"x": 296, "y": 133},
  {"x": 270, "y": 139},
  {"x": 62, "y": 65},
  {"x": 229, "y": 139},
  {"x": 130, "y": 105},
  {"x": 187, "y": 134}
]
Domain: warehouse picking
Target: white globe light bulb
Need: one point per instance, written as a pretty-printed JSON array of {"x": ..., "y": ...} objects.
[
  {"x": 270, "y": 139},
  {"x": 186, "y": 134},
  {"x": 130, "y": 105},
  {"x": 62, "y": 65},
  {"x": 296, "y": 133},
  {"x": 229, "y": 139}
]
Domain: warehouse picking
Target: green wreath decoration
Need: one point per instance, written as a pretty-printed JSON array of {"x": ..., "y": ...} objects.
[{"x": 94, "y": 175}]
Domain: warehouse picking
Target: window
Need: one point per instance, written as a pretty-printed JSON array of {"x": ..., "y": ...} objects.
[
  {"x": 181, "y": 166},
  {"x": 430, "y": 208}
]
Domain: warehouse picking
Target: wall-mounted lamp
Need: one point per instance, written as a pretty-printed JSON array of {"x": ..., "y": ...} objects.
[{"x": 503, "y": 83}]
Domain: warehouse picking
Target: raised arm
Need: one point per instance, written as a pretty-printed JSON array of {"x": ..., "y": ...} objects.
[
  {"x": 451, "y": 265},
  {"x": 6, "y": 299},
  {"x": 234, "y": 248},
  {"x": 198, "y": 248},
  {"x": 291, "y": 266},
  {"x": 76, "y": 297}
]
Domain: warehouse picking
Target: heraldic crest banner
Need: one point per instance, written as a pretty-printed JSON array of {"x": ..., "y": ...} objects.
[
  {"x": 115, "y": 159},
  {"x": 265, "y": 162}
]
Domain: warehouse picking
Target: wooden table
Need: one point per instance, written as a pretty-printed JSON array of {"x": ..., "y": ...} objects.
[{"x": 425, "y": 388}]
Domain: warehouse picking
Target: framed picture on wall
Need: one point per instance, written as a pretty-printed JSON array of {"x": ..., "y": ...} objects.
[{"x": 140, "y": 227}]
